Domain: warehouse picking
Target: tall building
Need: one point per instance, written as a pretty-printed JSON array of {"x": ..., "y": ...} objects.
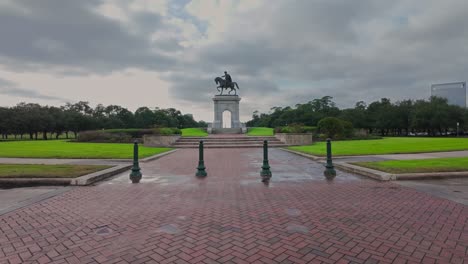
[{"x": 454, "y": 92}]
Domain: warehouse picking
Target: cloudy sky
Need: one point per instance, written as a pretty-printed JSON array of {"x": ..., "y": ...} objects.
[{"x": 166, "y": 53}]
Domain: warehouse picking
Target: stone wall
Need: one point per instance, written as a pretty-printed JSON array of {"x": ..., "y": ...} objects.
[
  {"x": 159, "y": 140},
  {"x": 295, "y": 138}
]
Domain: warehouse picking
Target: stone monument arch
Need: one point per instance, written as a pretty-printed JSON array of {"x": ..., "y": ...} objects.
[{"x": 226, "y": 103}]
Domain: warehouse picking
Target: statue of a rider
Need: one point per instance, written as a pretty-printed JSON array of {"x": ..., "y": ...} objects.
[
  {"x": 227, "y": 79},
  {"x": 226, "y": 83}
]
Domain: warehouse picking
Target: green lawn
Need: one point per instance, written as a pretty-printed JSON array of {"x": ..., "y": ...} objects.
[
  {"x": 65, "y": 149},
  {"x": 47, "y": 171},
  {"x": 260, "y": 131},
  {"x": 426, "y": 165},
  {"x": 386, "y": 146},
  {"x": 194, "y": 132}
]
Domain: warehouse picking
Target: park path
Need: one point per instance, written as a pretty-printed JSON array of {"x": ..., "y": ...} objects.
[
  {"x": 409, "y": 156},
  {"x": 231, "y": 217}
]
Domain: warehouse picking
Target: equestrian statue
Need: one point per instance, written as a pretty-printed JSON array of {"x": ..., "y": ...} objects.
[{"x": 226, "y": 83}]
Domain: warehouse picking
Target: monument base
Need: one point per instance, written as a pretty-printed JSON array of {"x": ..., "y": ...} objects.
[
  {"x": 226, "y": 131},
  {"x": 226, "y": 103}
]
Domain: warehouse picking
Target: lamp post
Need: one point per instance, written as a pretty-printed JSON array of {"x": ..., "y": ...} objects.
[
  {"x": 329, "y": 172},
  {"x": 458, "y": 124},
  {"x": 135, "y": 176},
  {"x": 201, "y": 169},
  {"x": 266, "y": 172}
]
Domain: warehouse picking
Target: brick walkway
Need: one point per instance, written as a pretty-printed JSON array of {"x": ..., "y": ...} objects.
[{"x": 230, "y": 217}]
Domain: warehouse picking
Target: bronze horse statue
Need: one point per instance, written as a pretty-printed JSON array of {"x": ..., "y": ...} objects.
[{"x": 222, "y": 84}]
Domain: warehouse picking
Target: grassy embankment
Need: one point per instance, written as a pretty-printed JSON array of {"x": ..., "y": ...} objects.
[
  {"x": 260, "y": 131},
  {"x": 65, "y": 149},
  {"x": 194, "y": 132},
  {"x": 415, "y": 166},
  {"x": 386, "y": 146}
]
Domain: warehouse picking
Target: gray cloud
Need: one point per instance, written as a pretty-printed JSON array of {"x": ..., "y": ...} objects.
[
  {"x": 72, "y": 33},
  {"x": 10, "y": 88},
  {"x": 351, "y": 50},
  {"x": 281, "y": 53}
]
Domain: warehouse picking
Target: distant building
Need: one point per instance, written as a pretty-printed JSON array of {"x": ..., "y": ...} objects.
[{"x": 455, "y": 93}]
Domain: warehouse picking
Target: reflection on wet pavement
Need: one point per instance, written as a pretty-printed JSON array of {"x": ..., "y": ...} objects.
[{"x": 245, "y": 163}]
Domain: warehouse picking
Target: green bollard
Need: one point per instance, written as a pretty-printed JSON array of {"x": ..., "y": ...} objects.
[
  {"x": 135, "y": 176},
  {"x": 265, "y": 173},
  {"x": 329, "y": 172},
  {"x": 201, "y": 172}
]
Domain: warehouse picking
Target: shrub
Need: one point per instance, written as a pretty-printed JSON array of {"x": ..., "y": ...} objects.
[
  {"x": 103, "y": 137},
  {"x": 166, "y": 131},
  {"x": 348, "y": 130},
  {"x": 295, "y": 128},
  {"x": 322, "y": 136},
  {"x": 123, "y": 135},
  {"x": 139, "y": 132},
  {"x": 331, "y": 126}
]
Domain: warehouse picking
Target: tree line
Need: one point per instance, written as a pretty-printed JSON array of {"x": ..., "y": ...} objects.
[
  {"x": 33, "y": 119},
  {"x": 407, "y": 117}
]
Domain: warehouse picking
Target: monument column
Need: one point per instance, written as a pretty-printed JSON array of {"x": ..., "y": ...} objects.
[
  {"x": 235, "y": 122},
  {"x": 218, "y": 116}
]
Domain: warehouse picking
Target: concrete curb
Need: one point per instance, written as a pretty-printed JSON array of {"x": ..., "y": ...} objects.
[
  {"x": 157, "y": 156},
  {"x": 312, "y": 157},
  {"x": 374, "y": 174},
  {"x": 99, "y": 175},
  {"x": 385, "y": 176},
  {"x": 80, "y": 181},
  {"x": 431, "y": 175}
]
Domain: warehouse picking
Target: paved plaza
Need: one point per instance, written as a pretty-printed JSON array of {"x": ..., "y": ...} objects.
[{"x": 231, "y": 217}]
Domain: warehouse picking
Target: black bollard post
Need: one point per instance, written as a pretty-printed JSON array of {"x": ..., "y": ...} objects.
[
  {"x": 329, "y": 172},
  {"x": 265, "y": 173},
  {"x": 201, "y": 172},
  {"x": 135, "y": 176}
]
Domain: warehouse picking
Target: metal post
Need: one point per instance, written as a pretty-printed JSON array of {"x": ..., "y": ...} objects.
[
  {"x": 265, "y": 173},
  {"x": 135, "y": 176},
  {"x": 201, "y": 172},
  {"x": 458, "y": 125},
  {"x": 329, "y": 172}
]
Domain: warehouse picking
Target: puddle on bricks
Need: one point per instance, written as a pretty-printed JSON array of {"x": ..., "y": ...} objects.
[
  {"x": 297, "y": 228},
  {"x": 171, "y": 229},
  {"x": 285, "y": 167},
  {"x": 289, "y": 167},
  {"x": 162, "y": 179}
]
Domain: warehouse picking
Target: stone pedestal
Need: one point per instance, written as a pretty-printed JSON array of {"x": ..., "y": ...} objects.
[{"x": 226, "y": 103}]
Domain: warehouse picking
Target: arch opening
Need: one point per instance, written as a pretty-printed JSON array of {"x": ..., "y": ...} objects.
[{"x": 227, "y": 122}]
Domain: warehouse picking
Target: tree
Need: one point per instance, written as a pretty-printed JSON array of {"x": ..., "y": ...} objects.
[
  {"x": 331, "y": 126},
  {"x": 144, "y": 117}
]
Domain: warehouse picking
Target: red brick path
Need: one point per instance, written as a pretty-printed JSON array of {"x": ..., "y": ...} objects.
[{"x": 230, "y": 217}]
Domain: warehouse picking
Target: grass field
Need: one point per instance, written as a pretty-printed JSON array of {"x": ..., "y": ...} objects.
[
  {"x": 413, "y": 166},
  {"x": 47, "y": 171},
  {"x": 386, "y": 146},
  {"x": 260, "y": 131},
  {"x": 65, "y": 149},
  {"x": 194, "y": 132}
]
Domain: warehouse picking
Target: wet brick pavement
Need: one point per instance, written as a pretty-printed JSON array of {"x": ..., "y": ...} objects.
[{"x": 231, "y": 217}]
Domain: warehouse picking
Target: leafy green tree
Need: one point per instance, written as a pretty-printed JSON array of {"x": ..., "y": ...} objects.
[{"x": 331, "y": 126}]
